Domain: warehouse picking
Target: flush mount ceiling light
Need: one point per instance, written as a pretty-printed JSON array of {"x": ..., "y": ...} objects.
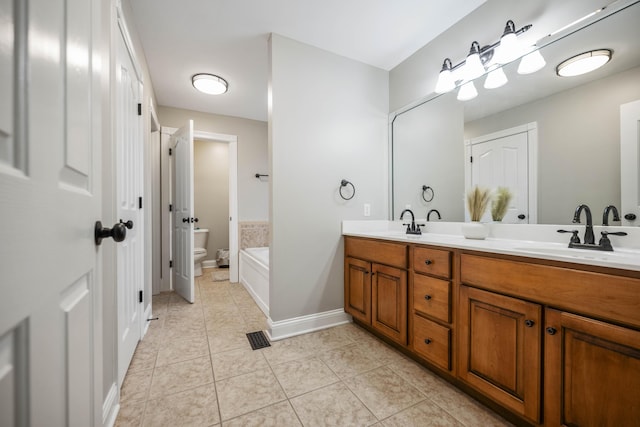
[
  {"x": 210, "y": 84},
  {"x": 584, "y": 63}
]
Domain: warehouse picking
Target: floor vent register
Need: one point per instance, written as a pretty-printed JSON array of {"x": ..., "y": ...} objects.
[{"x": 258, "y": 340}]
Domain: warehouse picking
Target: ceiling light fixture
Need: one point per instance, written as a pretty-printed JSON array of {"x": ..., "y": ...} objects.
[
  {"x": 488, "y": 58},
  {"x": 584, "y": 63},
  {"x": 210, "y": 84}
]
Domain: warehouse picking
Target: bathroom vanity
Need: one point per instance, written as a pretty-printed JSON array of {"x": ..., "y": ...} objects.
[{"x": 550, "y": 337}]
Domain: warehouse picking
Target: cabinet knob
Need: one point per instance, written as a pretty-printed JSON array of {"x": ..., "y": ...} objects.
[
  {"x": 428, "y": 261},
  {"x": 551, "y": 330},
  {"x": 529, "y": 323},
  {"x": 427, "y": 341},
  {"x": 427, "y": 297}
]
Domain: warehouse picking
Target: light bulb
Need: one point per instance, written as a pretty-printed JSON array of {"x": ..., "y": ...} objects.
[{"x": 467, "y": 91}]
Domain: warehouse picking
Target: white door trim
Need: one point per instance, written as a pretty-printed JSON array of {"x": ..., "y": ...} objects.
[
  {"x": 232, "y": 140},
  {"x": 532, "y": 137}
]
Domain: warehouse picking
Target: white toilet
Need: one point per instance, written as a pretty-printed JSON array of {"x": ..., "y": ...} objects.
[{"x": 200, "y": 237}]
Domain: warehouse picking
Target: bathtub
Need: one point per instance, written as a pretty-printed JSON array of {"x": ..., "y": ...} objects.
[{"x": 254, "y": 275}]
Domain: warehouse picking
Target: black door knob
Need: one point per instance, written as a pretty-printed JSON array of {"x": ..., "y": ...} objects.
[
  {"x": 522, "y": 216},
  {"x": 185, "y": 219},
  {"x": 195, "y": 219},
  {"x": 630, "y": 216},
  {"x": 128, "y": 224},
  {"x": 118, "y": 232}
]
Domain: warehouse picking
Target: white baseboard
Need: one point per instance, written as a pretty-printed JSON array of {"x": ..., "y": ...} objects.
[
  {"x": 110, "y": 407},
  {"x": 301, "y": 325},
  {"x": 148, "y": 313},
  {"x": 261, "y": 304},
  {"x": 209, "y": 263}
]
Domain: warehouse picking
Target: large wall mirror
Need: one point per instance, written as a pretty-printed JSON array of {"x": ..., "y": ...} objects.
[{"x": 575, "y": 121}]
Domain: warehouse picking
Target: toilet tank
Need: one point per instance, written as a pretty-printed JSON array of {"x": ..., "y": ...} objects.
[{"x": 200, "y": 237}]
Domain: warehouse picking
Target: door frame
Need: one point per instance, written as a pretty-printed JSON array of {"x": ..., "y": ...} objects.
[
  {"x": 166, "y": 184},
  {"x": 531, "y": 129}
]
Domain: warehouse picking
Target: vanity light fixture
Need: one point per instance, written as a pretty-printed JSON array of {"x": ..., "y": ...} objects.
[
  {"x": 496, "y": 78},
  {"x": 209, "y": 83},
  {"x": 446, "y": 81},
  {"x": 584, "y": 63},
  {"x": 531, "y": 62},
  {"x": 487, "y": 58},
  {"x": 467, "y": 91}
]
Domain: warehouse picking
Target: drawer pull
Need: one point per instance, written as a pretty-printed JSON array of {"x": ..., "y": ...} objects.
[
  {"x": 428, "y": 262},
  {"x": 427, "y": 297},
  {"x": 427, "y": 341},
  {"x": 551, "y": 330},
  {"x": 529, "y": 323}
]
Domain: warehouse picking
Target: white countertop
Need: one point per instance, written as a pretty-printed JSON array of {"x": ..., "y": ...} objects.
[{"x": 534, "y": 241}]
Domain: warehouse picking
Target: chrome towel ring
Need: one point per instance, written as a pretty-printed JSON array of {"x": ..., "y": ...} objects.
[{"x": 426, "y": 190}]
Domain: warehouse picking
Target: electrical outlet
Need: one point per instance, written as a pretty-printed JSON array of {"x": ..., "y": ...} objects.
[{"x": 367, "y": 209}]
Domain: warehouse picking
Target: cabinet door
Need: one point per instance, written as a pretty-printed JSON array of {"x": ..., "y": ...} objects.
[
  {"x": 592, "y": 372},
  {"x": 357, "y": 289},
  {"x": 500, "y": 349},
  {"x": 389, "y": 302}
]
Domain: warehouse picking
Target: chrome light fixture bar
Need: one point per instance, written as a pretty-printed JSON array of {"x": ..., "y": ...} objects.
[{"x": 501, "y": 52}]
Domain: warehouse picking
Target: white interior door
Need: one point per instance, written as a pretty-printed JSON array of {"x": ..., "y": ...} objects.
[
  {"x": 129, "y": 174},
  {"x": 630, "y": 162},
  {"x": 50, "y": 188},
  {"x": 503, "y": 162},
  {"x": 183, "y": 218}
]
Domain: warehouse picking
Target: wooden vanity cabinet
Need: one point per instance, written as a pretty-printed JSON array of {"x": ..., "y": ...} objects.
[
  {"x": 500, "y": 347},
  {"x": 592, "y": 372},
  {"x": 430, "y": 317},
  {"x": 376, "y": 286}
]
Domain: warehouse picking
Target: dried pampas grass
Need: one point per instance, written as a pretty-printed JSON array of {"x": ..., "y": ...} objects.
[{"x": 477, "y": 202}]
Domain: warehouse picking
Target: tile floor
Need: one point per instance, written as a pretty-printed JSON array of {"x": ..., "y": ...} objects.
[{"x": 195, "y": 367}]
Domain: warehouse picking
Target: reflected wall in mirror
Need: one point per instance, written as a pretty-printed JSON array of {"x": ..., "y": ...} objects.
[{"x": 578, "y": 124}]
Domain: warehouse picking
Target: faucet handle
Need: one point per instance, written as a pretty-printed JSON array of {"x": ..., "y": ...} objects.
[
  {"x": 613, "y": 233},
  {"x": 605, "y": 243},
  {"x": 408, "y": 227},
  {"x": 418, "y": 227},
  {"x": 574, "y": 236}
]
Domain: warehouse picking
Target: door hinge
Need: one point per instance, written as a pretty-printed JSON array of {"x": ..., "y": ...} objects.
[
  {"x": 171, "y": 264},
  {"x": 170, "y": 208},
  {"x": 139, "y": 109},
  {"x": 170, "y": 151},
  {"x": 140, "y": 202},
  {"x": 471, "y": 159},
  {"x": 140, "y": 299}
]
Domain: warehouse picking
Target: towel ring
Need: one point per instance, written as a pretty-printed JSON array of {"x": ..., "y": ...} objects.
[
  {"x": 343, "y": 184},
  {"x": 427, "y": 189}
]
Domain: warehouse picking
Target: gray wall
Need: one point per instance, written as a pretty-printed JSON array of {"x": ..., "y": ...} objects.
[
  {"x": 428, "y": 150},
  {"x": 252, "y": 154},
  {"x": 211, "y": 192},
  {"x": 578, "y": 144},
  {"x": 327, "y": 121}
]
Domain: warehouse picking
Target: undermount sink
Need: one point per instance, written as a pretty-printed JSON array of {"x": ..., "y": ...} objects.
[{"x": 577, "y": 253}]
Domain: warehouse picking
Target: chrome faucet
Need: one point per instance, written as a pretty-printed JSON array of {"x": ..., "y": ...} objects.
[
  {"x": 589, "y": 239},
  {"x": 432, "y": 211},
  {"x": 605, "y": 215},
  {"x": 412, "y": 228}
]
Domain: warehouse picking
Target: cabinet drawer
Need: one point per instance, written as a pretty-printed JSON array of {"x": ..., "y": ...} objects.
[
  {"x": 432, "y": 261},
  {"x": 432, "y": 297},
  {"x": 432, "y": 341},
  {"x": 606, "y": 296},
  {"x": 393, "y": 254}
]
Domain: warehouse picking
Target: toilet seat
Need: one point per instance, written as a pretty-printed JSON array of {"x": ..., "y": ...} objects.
[{"x": 198, "y": 251}]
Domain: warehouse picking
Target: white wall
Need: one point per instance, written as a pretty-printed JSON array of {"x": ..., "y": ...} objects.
[
  {"x": 211, "y": 192},
  {"x": 327, "y": 121},
  {"x": 252, "y": 154}
]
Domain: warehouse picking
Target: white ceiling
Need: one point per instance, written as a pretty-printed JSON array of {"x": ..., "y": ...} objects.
[{"x": 229, "y": 38}]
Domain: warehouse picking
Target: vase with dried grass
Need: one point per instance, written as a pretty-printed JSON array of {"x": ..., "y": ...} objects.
[{"x": 477, "y": 203}]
